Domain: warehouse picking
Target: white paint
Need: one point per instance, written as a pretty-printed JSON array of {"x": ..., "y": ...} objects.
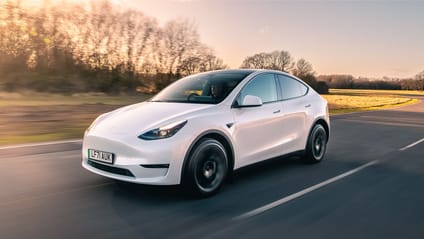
[
  {"x": 412, "y": 145},
  {"x": 40, "y": 144},
  {"x": 301, "y": 193}
]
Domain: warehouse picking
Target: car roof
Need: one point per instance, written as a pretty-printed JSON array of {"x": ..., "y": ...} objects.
[{"x": 243, "y": 71}]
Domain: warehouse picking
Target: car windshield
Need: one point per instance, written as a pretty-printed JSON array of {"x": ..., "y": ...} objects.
[{"x": 206, "y": 88}]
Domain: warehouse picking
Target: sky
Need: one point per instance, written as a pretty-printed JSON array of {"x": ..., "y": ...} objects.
[
  {"x": 369, "y": 38},
  {"x": 364, "y": 38}
]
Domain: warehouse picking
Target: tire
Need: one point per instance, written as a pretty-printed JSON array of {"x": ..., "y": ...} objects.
[
  {"x": 316, "y": 145},
  {"x": 206, "y": 168}
]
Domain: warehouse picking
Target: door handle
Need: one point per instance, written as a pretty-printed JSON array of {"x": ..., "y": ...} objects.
[
  {"x": 276, "y": 112},
  {"x": 308, "y": 105}
]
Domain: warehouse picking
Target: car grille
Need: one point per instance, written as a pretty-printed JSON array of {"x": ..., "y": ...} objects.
[{"x": 114, "y": 170}]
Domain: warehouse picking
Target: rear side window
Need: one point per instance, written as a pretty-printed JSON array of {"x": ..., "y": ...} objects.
[
  {"x": 291, "y": 88},
  {"x": 262, "y": 86}
]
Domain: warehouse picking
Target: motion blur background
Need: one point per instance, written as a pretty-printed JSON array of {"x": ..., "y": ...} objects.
[{"x": 62, "y": 62}]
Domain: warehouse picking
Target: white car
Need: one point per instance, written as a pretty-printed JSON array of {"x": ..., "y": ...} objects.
[{"x": 201, "y": 128}]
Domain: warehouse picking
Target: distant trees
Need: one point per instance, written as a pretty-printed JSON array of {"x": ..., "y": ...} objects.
[
  {"x": 303, "y": 68},
  {"x": 420, "y": 80},
  {"x": 283, "y": 61},
  {"x": 95, "y": 47},
  {"x": 276, "y": 60},
  {"x": 338, "y": 81},
  {"x": 385, "y": 83}
]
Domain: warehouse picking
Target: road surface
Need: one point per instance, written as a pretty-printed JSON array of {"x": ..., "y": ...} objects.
[{"x": 370, "y": 185}]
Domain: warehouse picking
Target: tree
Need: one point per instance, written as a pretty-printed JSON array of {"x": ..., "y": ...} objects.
[
  {"x": 177, "y": 42},
  {"x": 282, "y": 61},
  {"x": 276, "y": 60},
  {"x": 420, "y": 78},
  {"x": 95, "y": 46},
  {"x": 303, "y": 68}
]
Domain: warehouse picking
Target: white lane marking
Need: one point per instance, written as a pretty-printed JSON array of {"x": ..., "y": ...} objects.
[
  {"x": 303, "y": 192},
  {"x": 40, "y": 144},
  {"x": 412, "y": 145}
]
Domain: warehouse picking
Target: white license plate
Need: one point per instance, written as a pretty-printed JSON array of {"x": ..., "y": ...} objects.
[{"x": 100, "y": 156}]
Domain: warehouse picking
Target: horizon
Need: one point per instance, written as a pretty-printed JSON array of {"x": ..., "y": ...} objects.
[{"x": 372, "y": 39}]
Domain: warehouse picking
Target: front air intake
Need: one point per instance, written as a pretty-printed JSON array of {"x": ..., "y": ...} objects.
[{"x": 109, "y": 169}]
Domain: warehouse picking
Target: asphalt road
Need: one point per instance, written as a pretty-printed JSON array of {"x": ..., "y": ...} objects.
[{"x": 370, "y": 185}]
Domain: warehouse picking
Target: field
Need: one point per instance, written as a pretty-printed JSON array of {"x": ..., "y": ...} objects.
[
  {"x": 45, "y": 117},
  {"x": 347, "y": 101},
  {"x": 36, "y": 117}
]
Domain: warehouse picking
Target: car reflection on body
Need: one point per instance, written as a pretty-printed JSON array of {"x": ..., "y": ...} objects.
[{"x": 201, "y": 128}]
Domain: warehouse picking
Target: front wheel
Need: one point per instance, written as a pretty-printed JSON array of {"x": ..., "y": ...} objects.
[
  {"x": 206, "y": 168},
  {"x": 317, "y": 144}
]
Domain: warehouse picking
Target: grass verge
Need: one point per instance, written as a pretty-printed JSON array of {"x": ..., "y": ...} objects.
[
  {"x": 30, "y": 117},
  {"x": 345, "y": 102}
]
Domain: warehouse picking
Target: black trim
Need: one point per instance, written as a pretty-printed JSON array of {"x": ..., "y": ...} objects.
[
  {"x": 154, "y": 165},
  {"x": 109, "y": 169},
  {"x": 229, "y": 125}
]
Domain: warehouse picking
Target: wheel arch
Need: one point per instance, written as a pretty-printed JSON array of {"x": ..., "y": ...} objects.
[
  {"x": 324, "y": 124},
  {"x": 213, "y": 134}
]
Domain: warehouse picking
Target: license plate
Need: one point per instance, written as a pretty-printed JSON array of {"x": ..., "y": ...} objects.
[{"x": 100, "y": 156}]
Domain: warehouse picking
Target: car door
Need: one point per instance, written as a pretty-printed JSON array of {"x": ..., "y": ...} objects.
[
  {"x": 294, "y": 112},
  {"x": 257, "y": 129}
]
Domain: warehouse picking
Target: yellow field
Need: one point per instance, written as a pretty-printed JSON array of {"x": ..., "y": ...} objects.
[
  {"x": 346, "y": 101},
  {"x": 376, "y": 92}
]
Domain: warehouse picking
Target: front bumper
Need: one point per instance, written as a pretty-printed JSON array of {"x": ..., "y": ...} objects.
[{"x": 157, "y": 162}]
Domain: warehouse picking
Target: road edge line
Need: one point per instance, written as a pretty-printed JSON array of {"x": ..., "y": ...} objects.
[
  {"x": 412, "y": 144},
  {"x": 17, "y": 146},
  {"x": 293, "y": 196}
]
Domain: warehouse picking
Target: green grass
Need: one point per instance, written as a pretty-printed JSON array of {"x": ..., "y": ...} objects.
[
  {"x": 71, "y": 133},
  {"x": 46, "y": 99},
  {"x": 38, "y": 117}
]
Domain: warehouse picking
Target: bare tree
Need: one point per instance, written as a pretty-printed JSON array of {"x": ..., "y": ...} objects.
[
  {"x": 282, "y": 60},
  {"x": 257, "y": 61},
  {"x": 303, "y": 68},
  {"x": 137, "y": 34},
  {"x": 420, "y": 78},
  {"x": 108, "y": 47},
  {"x": 276, "y": 60},
  {"x": 177, "y": 42},
  {"x": 15, "y": 43},
  {"x": 201, "y": 63},
  {"x": 211, "y": 62}
]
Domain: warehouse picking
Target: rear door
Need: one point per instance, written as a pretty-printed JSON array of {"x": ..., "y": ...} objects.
[{"x": 295, "y": 107}]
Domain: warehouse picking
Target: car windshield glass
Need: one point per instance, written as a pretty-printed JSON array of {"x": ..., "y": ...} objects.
[{"x": 206, "y": 88}]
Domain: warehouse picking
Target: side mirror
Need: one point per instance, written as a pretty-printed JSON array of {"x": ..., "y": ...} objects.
[{"x": 251, "y": 101}]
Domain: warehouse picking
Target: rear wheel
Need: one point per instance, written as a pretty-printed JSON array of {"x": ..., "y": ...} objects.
[
  {"x": 206, "y": 168},
  {"x": 317, "y": 144}
]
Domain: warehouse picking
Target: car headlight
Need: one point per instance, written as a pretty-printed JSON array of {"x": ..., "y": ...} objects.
[{"x": 164, "y": 131}]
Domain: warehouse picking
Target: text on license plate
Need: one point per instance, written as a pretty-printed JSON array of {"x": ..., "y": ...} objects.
[{"x": 100, "y": 155}]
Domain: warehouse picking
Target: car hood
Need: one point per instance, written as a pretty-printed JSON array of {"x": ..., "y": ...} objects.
[{"x": 141, "y": 117}]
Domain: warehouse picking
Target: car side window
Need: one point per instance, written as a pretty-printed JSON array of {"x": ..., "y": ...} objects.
[
  {"x": 262, "y": 86},
  {"x": 291, "y": 88}
]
